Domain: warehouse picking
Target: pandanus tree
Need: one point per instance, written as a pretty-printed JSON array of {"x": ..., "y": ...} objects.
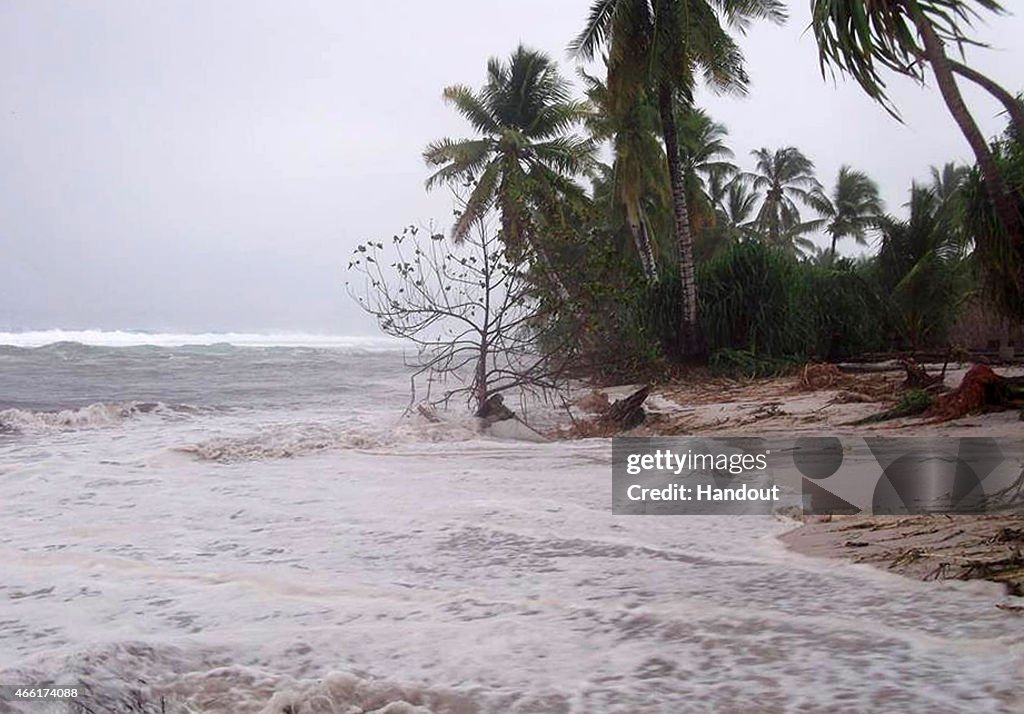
[
  {"x": 1000, "y": 260},
  {"x": 784, "y": 180},
  {"x": 853, "y": 208},
  {"x": 662, "y": 47},
  {"x": 920, "y": 267},
  {"x": 637, "y": 174},
  {"x": 525, "y": 156},
  {"x": 864, "y": 37}
]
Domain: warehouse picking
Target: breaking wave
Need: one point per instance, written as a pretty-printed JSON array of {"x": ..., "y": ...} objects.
[
  {"x": 94, "y": 416},
  {"x": 294, "y": 440},
  {"x": 138, "y": 677},
  {"x": 124, "y": 338}
]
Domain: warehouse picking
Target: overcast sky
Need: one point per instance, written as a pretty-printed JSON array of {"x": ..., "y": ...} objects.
[{"x": 195, "y": 165}]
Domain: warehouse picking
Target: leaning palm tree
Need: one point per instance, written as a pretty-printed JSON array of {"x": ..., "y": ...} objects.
[
  {"x": 852, "y": 210},
  {"x": 525, "y": 155},
  {"x": 858, "y": 36},
  {"x": 638, "y": 172},
  {"x": 662, "y": 47},
  {"x": 784, "y": 178}
]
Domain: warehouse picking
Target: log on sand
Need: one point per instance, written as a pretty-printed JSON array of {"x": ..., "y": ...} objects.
[{"x": 628, "y": 412}]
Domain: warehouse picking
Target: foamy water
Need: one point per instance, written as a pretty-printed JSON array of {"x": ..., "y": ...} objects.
[{"x": 265, "y": 531}]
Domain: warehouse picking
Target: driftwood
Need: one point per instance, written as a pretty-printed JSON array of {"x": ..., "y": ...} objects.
[
  {"x": 918, "y": 377},
  {"x": 494, "y": 410},
  {"x": 628, "y": 412},
  {"x": 428, "y": 414}
]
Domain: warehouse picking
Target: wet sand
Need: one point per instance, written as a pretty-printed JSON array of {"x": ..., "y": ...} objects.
[{"x": 924, "y": 547}]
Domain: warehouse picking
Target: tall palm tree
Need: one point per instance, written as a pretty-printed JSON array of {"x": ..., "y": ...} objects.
[
  {"x": 662, "y": 47},
  {"x": 784, "y": 178},
  {"x": 904, "y": 35},
  {"x": 705, "y": 158},
  {"x": 638, "y": 171},
  {"x": 525, "y": 155},
  {"x": 852, "y": 210}
]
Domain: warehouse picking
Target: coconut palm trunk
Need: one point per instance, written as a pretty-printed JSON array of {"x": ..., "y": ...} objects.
[
  {"x": 642, "y": 240},
  {"x": 689, "y": 331},
  {"x": 999, "y": 192},
  {"x": 1014, "y": 107}
]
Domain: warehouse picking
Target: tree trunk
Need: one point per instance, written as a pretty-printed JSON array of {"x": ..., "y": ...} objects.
[
  {"x": 835, "y": 238},
  {"x": 645, "y": 236},
  {"x": 641, "y": 238},
  {"x": 1014, "y": 107},
  {"x": 999, "y": 193},
  {"x": 689, "y": 330}
]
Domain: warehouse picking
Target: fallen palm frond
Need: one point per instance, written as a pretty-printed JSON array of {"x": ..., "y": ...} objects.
[
  {"x": 816, "y": 376},
  {"x": 914, "y": 402}
]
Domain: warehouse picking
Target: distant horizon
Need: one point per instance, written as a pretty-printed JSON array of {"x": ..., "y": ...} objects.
[{"x": 142, "y": 338}]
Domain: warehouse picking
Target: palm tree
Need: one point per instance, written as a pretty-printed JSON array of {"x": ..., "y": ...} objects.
[
  {"x": 784, "y": 178},
  {"x": 661, "y": 47},
  {"x": 903, "y": 35},
  {"x": 853, "y": 208},
  {"x": 638, "y": 172},
  {"x": 737, "y": 210},
  {"x": 948, "y": 180},
  {"x": 525, "y": 155},
  {"x": 705, "y": 158},
  {"x": 999, "y": 259},
  {"x": 920, "y": 266}
]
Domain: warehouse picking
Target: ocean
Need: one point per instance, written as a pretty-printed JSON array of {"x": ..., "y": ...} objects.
[{"x": 247, "y": 523}]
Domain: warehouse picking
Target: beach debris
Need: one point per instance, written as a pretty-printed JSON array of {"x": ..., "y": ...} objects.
[
  {"x": 980, "y": 390},
  {"x": 1016, "y": 609},
  {"x": 428, "y": 413},
  {"x": 494, "y": 410},
  {"x": 628, "y": 412},
  {"x": 918, "y": 377},
  {"x": 594, "y": 402},
  {"x": 815, "y": 376},
  {"x": 914, "y": 402},
  {"x": 870, "y": 387}
]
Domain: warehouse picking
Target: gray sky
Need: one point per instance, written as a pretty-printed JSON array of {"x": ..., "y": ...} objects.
[{"x": 198, "y": 165}]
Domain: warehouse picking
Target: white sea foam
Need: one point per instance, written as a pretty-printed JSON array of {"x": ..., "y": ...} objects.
[
  {"x": 139, "y": 678},
  {"x": 124, "y": 338},
  {"x": 90, "y": 417},
  {"x": 440, "y": 569},
  {"x": 298, "y": 439}
]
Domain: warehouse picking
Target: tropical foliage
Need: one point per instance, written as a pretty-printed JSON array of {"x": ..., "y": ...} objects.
[{"x": 642, "y": 238}]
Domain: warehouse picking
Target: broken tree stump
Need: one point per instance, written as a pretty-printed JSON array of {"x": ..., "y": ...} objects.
[
  {"x": 628, "y": 412},
  {"x": 918, "y": 377},
  {"x": 494, "y": 410},
  {"x": 981, "y": 389}
]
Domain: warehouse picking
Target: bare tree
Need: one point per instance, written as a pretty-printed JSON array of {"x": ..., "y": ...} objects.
[{"x": 480, "y": 325}]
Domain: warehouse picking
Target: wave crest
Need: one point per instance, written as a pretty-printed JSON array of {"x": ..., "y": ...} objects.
[
  {"x": 94, "y": 416},
  {"x": 296, "y": 440}
]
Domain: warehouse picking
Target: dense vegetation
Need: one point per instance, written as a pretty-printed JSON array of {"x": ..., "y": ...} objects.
[{"x": 623, "y": 200}]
